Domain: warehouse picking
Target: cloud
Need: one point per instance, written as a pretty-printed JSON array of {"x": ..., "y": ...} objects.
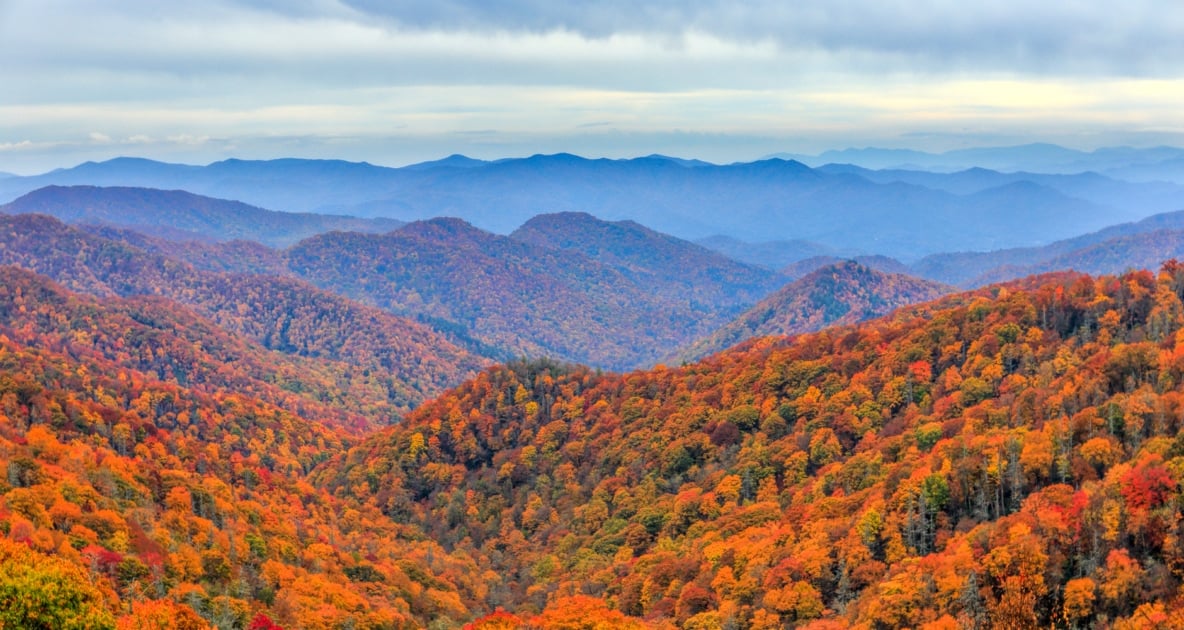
[
  {"x": 1135, "y": 38},
  {"x": 725, "y": 77}
]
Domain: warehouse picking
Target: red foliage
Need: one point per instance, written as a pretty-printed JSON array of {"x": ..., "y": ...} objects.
[
  {"x": 1147, "y": 486},
  {"x": 263, "y": 622}
]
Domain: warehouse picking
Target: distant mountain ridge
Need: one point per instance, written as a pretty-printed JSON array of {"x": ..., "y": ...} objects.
[
  {"x": 757, "y": 201},
  {"x": 1155, "y": 244},
  {"x": 769, "y": 254},
  {"x": 180, "y": 215},
  {"x": 1135, "y": 164}
]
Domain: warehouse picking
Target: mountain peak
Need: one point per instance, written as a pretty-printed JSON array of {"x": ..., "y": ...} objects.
[{"x": 443, "y": 228}]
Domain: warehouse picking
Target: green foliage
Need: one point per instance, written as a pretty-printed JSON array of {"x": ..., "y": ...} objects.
[{"x": 39, "y": 592}]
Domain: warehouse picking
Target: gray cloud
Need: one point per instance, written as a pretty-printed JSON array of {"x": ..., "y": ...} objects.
[
  {"x": 346, "y": 78},
  {"x": 1136, "y": 37}
]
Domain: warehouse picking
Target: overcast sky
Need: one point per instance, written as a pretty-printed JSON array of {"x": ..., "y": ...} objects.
[{"x": 397, "y": 81}]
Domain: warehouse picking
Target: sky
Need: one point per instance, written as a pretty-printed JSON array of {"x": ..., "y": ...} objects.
[{"x": 394, "y": 81}]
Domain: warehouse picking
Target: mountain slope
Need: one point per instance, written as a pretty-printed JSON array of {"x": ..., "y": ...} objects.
[
  {"x": 525, "y": 299},
  {"x": 974, "y": 268},
  {"x": 661, "y": 264},
  {"x": 179, "y": 215},
  {"x": 397, "y": 362},
  {"x": 840, "y": 293},
  {"x": 1144, "y": 250},
  {"x": 1004, "y": 458},
  {"x": 143, "y": 482}
]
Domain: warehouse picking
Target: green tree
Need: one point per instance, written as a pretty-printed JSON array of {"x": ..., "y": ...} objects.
[{"x": 44, "y": 592}]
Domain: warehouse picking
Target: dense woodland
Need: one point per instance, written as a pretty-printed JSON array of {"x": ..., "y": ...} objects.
[
  {"x": 152, "y": 481},
  {"x": 406, "y": 361},
  {"x": 221, "y": 434},
  {"x": 843, "y": 292},
  {"x": 1010, "y": 457}
]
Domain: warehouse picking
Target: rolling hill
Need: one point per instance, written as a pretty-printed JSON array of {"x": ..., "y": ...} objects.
[
  {"x": 178, "y": 215},
  {"x": 977, "y": 268},
  {"x": 526, "y": 299},
  {"x": 1142, "y": 250},
  {"x": 396, "y": 362},
  {"x": 992, "y": 459},
  {"x": 840, "y": 293},
  {"x": 659, "y": 263}
]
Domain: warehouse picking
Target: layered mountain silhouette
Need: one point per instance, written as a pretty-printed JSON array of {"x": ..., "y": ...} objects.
[
  {"x": 758, "y": 201},
  {"x": 1142, "y": 244},
  {"x": 219, "y": 432},
  {"x": 179, "y": 215}
]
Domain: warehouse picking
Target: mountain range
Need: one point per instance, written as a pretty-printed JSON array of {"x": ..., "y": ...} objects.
[
  {"x": 180, "y": 216},
  {"x": 1135, "y": 164},
  {"x": 335, "y": 429},
  {"x": 394, "y": 363},
  {"x": 1141, "y": 244},
  {"x": 849, "y": 211},
  {"x": 494, "y": 295}
]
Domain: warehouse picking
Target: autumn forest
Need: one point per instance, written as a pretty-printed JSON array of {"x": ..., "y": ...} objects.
[{"x": 580, "y": 424}]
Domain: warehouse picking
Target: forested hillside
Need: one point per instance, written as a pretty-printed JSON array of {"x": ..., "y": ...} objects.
[
  {"x": 155, "y": 473},
  {"x": 1007, "y": 458},
  {"x": 839, "y": 293},
  {"x": 401, "y": 362},
  {"x": 525, "y": 299}
]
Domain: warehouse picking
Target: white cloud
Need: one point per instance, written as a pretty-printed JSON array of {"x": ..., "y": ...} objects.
[{"x": 729, "y": 77}]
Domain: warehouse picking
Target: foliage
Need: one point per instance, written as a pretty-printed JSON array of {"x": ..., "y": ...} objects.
[
  {"x": 182, "y": 499},
  {"x": 840, "y": 293},
  {"x": 982, "y": 459},
  {"x": 39, "y": 591},
  {"x": 379, "y": 365},
  {"x": 523, "y": 297}
]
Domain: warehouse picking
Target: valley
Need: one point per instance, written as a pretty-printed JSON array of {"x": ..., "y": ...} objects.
[{"x": 889, "y": 398}]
